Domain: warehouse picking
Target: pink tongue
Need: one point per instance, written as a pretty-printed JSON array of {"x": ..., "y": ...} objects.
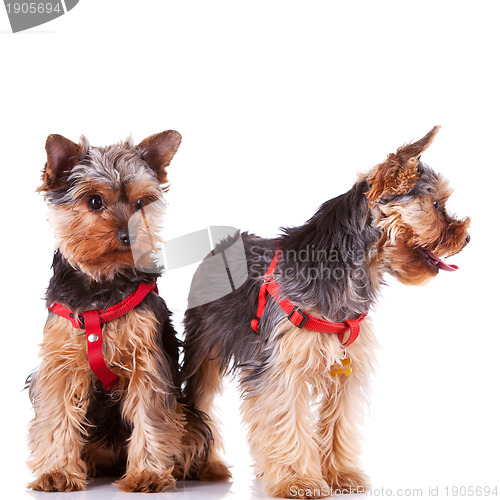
[
  {"x": 442, "y": 265},
  {"x": 446, "y": 267}
]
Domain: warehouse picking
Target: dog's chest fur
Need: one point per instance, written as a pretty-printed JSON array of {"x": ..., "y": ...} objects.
[
  {"x": 127, "y": 341},
  {"x": 309, "y": 355}
]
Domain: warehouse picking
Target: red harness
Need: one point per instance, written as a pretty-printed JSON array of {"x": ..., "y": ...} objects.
[
  {"x": 298, "y": 317},
  {"x": 92, "y": 320}
]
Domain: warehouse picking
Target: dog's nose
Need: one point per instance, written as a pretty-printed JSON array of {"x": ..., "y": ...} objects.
[
  {"x": 467, "y": 239},
  {"x": 124, "y": 237}
]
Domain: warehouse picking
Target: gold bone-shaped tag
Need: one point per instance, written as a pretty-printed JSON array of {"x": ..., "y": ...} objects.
[{"x": 344, "y": 368}]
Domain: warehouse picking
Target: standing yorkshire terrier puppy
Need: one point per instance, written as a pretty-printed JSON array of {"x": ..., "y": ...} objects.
[
  {"x": 301, "y": 312},
  {"x": 107, "y": 393}
]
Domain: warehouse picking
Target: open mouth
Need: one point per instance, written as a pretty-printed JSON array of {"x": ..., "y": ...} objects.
[{"x": 436, "y": 262}]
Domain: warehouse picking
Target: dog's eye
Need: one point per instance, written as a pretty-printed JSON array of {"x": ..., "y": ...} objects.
[
  {"x": 139, "y": 204},
  {"x": 436, "y": 204},
  {"x": 95, "y": 202}
]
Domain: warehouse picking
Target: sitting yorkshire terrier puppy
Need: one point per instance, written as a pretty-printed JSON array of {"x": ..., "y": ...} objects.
[
  {"x": 107, "y": 393},
  {"x": 296, "y": 330}
]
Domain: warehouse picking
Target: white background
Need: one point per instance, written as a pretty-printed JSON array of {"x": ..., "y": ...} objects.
[{"x": 279, "y": 104}]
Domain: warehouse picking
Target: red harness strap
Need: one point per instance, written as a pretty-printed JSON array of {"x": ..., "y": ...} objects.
[
  {"x": 92, "y": 320},
  {"x": 298, "y": 317}
]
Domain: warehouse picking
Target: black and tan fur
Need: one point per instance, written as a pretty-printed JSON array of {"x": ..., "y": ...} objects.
[
  {"x": 331, "y": 267},
  {"x": 142, "y": 428}
]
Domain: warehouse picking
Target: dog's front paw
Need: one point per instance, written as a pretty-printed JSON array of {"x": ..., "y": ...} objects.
[
  {"x": 348, "y": 482},
  {"x": 58, "y": 481},
  {"x": 147, "y": 481},
  {"x": 300, "y": 487}
]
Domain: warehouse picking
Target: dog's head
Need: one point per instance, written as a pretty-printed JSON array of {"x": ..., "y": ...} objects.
[
  {"x": 408, "y": 203},
  {"x": 98, "y": 198}
]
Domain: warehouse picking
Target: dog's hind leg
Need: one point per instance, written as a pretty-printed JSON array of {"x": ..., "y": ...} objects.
[{"x": 201, "y": 455}]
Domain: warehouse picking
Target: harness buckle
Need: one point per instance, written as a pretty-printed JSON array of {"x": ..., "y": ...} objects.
[{"x": 305, "y": 317}]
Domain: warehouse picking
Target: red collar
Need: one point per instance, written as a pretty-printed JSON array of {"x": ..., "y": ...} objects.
[
  {"x": 298, "y": 317},
  {"x": 92, "y": 320}
]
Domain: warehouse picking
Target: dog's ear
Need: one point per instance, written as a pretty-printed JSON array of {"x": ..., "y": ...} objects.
[
  {"x": 158, "y": 150},
  {"x": 62, "y": 156},
  {"x": 412, "y": 152},
  {"x": 399, "y": 173}
]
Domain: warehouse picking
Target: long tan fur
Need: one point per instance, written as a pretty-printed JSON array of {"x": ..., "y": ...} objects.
[
  {"x": 299, "y": 446},
  {"x": 130, "y": 347}
]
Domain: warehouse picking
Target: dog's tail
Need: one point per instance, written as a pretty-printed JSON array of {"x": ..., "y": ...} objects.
[{"x": 196, "y": 460}]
